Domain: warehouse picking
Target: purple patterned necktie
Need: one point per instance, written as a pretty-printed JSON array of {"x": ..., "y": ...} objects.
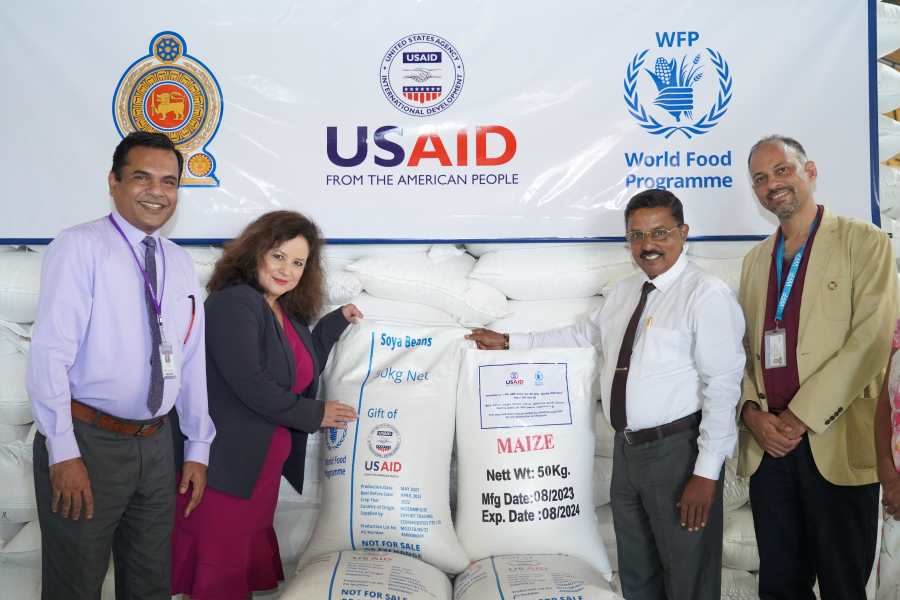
[{"x": 154, "y": 396}]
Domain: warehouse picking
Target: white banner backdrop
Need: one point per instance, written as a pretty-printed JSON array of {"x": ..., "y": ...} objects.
[{"x": 428, "y": 120}]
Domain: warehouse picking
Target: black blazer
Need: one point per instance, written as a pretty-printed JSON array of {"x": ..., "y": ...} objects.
[{"x": 250, "y": 370}]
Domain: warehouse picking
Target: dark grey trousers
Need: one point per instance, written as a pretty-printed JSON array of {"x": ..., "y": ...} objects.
[
  {"x": 658, "y": 559},
  {"x": 133, "y": 483}
]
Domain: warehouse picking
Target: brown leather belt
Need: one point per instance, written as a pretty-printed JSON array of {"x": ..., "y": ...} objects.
[
  {"x": 652, "y": 434},
  {"x": 87, "y": 414}
]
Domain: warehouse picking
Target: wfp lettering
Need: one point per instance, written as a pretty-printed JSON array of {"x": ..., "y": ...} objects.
[
  {"x": 525, "y": 443},
  {"x": 427, "y": 146},
  {"x": 384, "y": 466}
]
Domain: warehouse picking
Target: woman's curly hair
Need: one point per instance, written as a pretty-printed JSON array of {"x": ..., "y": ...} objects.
[{"x": 240, "y": 261}]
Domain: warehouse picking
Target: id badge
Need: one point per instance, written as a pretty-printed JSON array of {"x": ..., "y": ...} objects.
[
  {"x": 167, "y": 360},
  {"x": 776, "y": 348}
]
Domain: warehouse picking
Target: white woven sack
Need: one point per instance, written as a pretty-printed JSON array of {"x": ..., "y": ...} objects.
[
  {"x": 408, "y": 313},
  {"x": 608, "y": 533},
  {"x": 540, "y": 315},
  {"x": 889, "y": 191},
  {"x": 435, "y": 280},
  {"x": 605, "y": 435},
  {"x": 738, "y": 585},
  {"x": 532, "y": 577},
  {"x": 341, "y": 286},
  {"x": 20, "y": 282},
  {"x": 720, "y": 249},
  {"x": 525, "y": 445},
  {"x": 19, "y": 583},
  {"x": 15, "y": 407},
  {"x": 615, "y": 252},
  {"x": 386, "y": 477},
  {"x": 888, "y": 30},
  {"x": 739, "y": 548},
  {"x": 17, "y": 500},
  {"x": 13, "y": 433},
  {"x": 726, "y": 269},
  {"x": 889, "y": 561},
  {"x": 736, "y": 492},
  {"x": 24, "y": 550},
  {"x": 552, "y": 273},
  {"x": 204, "y": 259},
  {"x": 602, "y": 480},
  {"x": 9, "y": 530},
  {"x": 294, "y": 523},
  {"x": 367, "y": 576}
]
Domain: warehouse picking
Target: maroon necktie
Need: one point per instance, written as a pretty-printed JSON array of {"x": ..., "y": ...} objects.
[{"x": 617, "y": 414}]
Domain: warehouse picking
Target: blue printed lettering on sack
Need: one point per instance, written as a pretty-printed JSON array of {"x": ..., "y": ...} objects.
[{"x": 395, "y": 342}]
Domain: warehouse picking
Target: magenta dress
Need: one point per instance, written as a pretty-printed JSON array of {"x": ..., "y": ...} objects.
[{"x": 227, "y": 548}]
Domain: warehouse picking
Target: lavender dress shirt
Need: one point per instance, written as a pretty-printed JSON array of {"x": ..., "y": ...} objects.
[{"x": 91, "y": 340}]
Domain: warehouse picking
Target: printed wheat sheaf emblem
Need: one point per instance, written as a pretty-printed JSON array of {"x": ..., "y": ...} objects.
[{"x": 675, "y": 82}]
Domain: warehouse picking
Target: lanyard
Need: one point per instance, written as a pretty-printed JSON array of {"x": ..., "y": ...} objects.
[
  {"x": 157, "y": 303},
  {"x": 792, "y": 272}
]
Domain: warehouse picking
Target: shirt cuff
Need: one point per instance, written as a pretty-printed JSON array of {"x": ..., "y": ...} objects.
[
  {"x": 62, "y": 447},
  {"x": 197, "y": 452},
  {"x": 708, "y": 465},
  {"x": 519, "y": 341}
]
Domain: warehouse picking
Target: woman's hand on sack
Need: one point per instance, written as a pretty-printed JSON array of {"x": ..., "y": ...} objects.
[
  {"x": 487, "y": 339},
  {"x": 352, "y": 313},
  {"x": 337, "y": 414}
]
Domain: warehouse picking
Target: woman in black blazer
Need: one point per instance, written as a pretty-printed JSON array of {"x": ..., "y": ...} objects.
[{"x": 263, "y": 366}]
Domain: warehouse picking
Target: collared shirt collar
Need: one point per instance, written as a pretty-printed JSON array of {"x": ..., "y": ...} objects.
[
  {"x": 666, "y": 280},
  {"x": 134, "y": 235}
]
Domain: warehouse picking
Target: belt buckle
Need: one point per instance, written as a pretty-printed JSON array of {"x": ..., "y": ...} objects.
[
  {"x": 140, "y": 429},
  {"x": 625, "y": 433}
]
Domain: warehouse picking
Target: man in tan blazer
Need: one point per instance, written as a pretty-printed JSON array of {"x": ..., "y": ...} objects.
[{"x": 818, "y": 337}]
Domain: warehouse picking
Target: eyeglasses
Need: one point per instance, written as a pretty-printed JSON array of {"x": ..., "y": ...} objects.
[{"x": 657, "y": 235}]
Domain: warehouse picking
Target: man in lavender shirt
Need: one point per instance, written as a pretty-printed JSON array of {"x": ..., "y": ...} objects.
[{"x": 117, "y": 344}]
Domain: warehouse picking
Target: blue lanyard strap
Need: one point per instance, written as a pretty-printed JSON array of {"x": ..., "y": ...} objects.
[
  {"x": 792, "y": 272},
  {"x": 157, "y": 303}
]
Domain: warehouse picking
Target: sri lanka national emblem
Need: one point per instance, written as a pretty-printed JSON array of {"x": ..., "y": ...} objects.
[
  {"x": 172, "y": 92},
  {"x": 682, "y": 103}
]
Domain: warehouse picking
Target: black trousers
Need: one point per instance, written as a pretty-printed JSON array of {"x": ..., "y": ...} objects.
[
  {"x": 808, "y": 528},
  {"x": 133, "y": 484},
  {"x": 658, "y": 558}
]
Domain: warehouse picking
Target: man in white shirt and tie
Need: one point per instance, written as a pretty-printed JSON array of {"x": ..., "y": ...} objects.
[{"x": 670, "y": 344}]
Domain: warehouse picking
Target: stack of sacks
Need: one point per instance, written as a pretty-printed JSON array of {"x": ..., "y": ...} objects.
[
  {"x": 551, "y": 272},
  {"x": 438, "y": 278}
]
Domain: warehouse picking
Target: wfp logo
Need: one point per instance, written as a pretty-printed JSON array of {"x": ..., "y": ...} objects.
[
  {"x": 538, "y": 378},
  {"x": 514, "y": 379},
  {"x": 335, "y": 437},
  {"x": 422, "y": 74},
  {"x": 686, "y": 100}
]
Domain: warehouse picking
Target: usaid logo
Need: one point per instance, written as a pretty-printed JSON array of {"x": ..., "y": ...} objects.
[
  {"x": 678, "y": 89},
  {"x": 384, "y": 440},
  {"x": 514, "y": 379},
  {"x": 422, "y": 74}
]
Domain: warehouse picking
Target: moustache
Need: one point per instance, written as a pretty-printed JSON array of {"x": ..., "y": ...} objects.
[
  {"x": 779, "y": 190},
  {"x": 648, "y": 253}
]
